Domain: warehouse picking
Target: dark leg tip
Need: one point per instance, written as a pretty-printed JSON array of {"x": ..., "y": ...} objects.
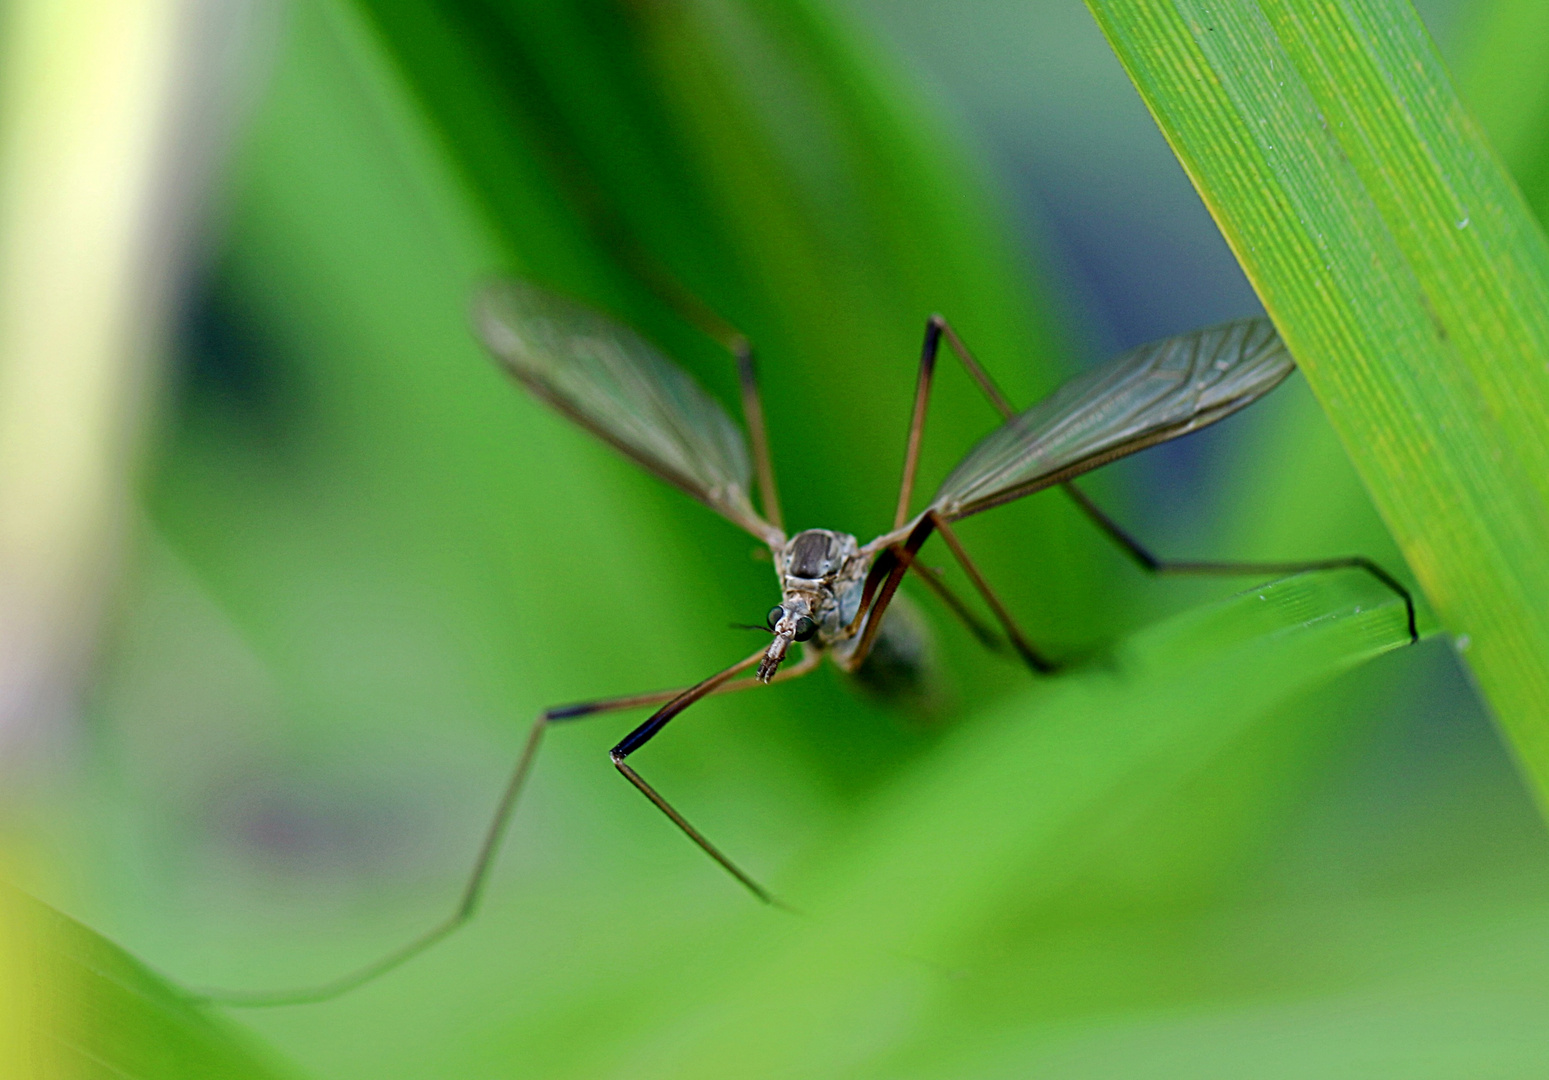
[
  {"x": 780, "y": 905},
  {"x": 1038, "y": 664}
]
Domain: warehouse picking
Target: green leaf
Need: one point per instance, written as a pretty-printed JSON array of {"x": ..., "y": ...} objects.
[
  {"x": 76, "y": 1005},
  {"x": 420, "y": 558},
  {"x": 1006, "y": 817},
  {"x": 1407, "y": 276}
]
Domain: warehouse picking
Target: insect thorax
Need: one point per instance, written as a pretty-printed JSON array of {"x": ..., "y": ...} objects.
[{"x": 823, "y": 570}]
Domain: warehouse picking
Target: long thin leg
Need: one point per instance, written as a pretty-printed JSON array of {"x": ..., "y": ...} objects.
[
  {"x": 883, "y": 582},
  {"x": 660, "y": 279},
  {"x": 478, "y": 878},
  {"x": 922, "y": 384},
  {"x": 648, "y": 730},
  {"x": 1033, "y": 658},
  {"x": 614, "y": 233},
  {"x": 888, "y": 572},
  {"x": 753, "y": 413},
  {"x": 937, "y": 327},
  {"x": 980, "y": 376},
  {"x": 1154, "y": 565},
  {"x": 1143, "y": 557},
  {"x": 958, "y": 607}
]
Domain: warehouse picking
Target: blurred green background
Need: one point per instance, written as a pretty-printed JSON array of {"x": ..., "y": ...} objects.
[{"x": 341, "y": 564}]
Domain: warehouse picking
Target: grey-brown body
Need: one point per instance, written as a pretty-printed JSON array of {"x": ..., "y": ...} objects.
[
  {"x": 822, "y": 577},
  {"x": 822, "y": 574}
]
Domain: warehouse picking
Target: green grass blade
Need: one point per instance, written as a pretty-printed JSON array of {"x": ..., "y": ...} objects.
[
  {"x": 1405, "y": 272},
  {"x": 77, "y": 1005},
  {"x": 1003, "y": 817}
]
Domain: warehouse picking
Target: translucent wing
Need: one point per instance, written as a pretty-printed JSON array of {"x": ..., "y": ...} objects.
[
  {"x": 614, "y": 383},
  {"x": 1145, "y": 396}
]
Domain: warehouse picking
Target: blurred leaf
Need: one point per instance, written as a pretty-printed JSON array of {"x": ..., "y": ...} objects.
[
  {"x": 416, "y": 551},
  {"x": 1000, "y": 819},
  {"x": 89, "y": 1009},
  {"x": 419, "y": 557},
  {"x": 383, "y": 560},
  {"x": 1471, "y": 1007},
  {"x": 1503, "y": 76},
  {"x": 768, "y": 156},
  {"x": 1405, "y": 273}
]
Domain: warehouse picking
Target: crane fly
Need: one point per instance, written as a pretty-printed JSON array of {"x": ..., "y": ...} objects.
[{"x": 834, "y": 590}]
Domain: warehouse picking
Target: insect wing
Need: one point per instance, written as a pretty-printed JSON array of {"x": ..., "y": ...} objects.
[
  {"x": 1138, "y": 399},
  {"x": 614, "y": 383}
]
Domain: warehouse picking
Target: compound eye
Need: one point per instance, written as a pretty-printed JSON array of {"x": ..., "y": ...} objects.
[
  {"x": 776, "y": 613},
  {"x": 805, "y": 628}
]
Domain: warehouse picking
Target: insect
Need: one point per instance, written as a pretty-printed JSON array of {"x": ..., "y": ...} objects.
[{"x": 835, "y": 591}]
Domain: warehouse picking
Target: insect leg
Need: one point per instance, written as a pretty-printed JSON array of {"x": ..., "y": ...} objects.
[
  {"x": 753, "y": 413},
  {"x": 478, "y": 878},
  {"x": 888, "y": 572},
  {"x": 966, "y": 358},
  {"x": 937, "y": 327},
  {"x": 660, "y": 279},
  {"x": 1154, "y": 565},
  {"x": 922, "y": 383},
  {"x": 882, "y": 582},
  {"x": 648, "y": 730},
  {"x": 982, "y": 633},
  {"x": 1031, "y": 656}
]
